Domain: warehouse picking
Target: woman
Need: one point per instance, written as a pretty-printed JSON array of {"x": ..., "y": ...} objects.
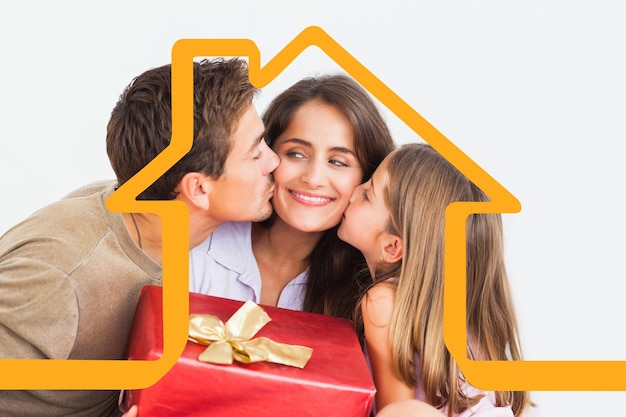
[{"x": 330, "y": 137}]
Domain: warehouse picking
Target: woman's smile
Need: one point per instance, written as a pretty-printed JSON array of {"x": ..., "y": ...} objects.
[{"x": 310, "y": 199}]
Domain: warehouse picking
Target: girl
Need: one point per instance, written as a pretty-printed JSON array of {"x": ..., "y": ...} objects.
[
  {"x": 330, "y": 137},
  {"x": 397, "y": 221}
]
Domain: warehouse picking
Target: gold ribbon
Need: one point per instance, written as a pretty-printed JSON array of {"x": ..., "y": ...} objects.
[{"x": 232, "y": 340}]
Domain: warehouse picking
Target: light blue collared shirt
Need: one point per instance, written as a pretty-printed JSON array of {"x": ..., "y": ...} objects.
[{"x": 224, "y": 266}]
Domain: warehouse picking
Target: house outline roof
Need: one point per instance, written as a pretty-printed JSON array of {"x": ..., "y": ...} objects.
[{"x": 490, "y": 375}]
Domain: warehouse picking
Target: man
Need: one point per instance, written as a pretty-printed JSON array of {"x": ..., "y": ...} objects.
[{"x": 70, "y": 274}]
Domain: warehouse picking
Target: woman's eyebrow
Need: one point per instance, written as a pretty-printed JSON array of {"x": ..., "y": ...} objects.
[
  {"x": 342, "y": 150},
  {"x": 308, "y": 144},
  {"x": 298, "y": 141}
]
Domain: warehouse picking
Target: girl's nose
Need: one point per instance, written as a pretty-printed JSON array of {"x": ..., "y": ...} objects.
[{"x": 355, "y": 193}]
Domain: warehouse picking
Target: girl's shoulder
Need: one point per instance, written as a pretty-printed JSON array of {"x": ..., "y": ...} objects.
[
  {"x": 377, "y": 304},
  {"x": 382, "y": 291}
]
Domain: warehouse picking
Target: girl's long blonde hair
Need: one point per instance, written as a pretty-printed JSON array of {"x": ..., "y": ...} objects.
[{"x": 421, "y": 184}]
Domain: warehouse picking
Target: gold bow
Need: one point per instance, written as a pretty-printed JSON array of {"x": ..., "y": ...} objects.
[{"x": 232, "y": 340}]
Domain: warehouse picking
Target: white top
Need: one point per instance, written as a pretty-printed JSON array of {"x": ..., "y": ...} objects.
[{"x": 224, "y": 266}]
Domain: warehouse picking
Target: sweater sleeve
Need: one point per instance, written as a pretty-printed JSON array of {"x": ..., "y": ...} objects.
[{"x": 38, "y": 309}]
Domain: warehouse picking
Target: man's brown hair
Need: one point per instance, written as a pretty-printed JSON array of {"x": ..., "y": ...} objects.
[{"x": 141, "y": 122}]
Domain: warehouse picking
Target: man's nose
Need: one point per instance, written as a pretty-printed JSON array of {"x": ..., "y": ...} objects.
[{"x": 272, "y": 160}]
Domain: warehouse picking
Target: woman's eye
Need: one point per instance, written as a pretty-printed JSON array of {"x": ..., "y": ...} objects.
[
  {"x": 293, "y": 154},
  {"x": 337, "y": 163}
]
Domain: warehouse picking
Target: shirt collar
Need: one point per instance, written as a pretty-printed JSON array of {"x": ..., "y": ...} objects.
[{"x": 228, "y": 243}]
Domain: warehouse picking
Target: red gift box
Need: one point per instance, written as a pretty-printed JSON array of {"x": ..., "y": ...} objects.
[{"x": 335, "y": 381}]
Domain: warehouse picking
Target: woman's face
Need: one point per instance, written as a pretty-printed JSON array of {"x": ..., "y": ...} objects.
[{"x": 318, "y": 168}]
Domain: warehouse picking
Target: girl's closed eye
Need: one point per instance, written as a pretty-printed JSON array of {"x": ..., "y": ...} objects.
[
  {"x": 365, "y": 195},
  {"x": 257, "y": 156}
]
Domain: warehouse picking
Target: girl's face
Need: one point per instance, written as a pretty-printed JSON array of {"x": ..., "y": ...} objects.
[
  {"x": 318, "y": 168},
  {"x": 365, "y": 220}
]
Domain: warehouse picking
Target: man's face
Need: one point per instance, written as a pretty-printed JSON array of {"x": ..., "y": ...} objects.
[{"x": 244, "y": 190}]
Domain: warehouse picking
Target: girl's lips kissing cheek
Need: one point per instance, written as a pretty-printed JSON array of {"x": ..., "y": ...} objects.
[{"x": 310, "y": 199}]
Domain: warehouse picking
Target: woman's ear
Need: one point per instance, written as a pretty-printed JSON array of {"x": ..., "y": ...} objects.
[
  {"x": 195, "y": 188},
  {"x": 392, "y": 249}
]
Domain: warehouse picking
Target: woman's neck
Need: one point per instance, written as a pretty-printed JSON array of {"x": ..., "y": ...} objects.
[
  {"x": 282, "y": 254},
  {"x": 282, "y": 243}
]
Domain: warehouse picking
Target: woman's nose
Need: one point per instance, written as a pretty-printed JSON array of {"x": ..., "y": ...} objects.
[{"x": 313, "y": 174}]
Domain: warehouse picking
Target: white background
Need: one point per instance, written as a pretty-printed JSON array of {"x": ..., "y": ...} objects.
[{"x": 533, "y": 91}]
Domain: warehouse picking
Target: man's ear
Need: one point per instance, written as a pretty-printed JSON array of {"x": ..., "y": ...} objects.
[
  {"x": 393, "y": 248},
  {"x": 194, "y": 188}
]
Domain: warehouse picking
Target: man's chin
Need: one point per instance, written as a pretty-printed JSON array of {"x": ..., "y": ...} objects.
[{"x": 264, "y": 214}]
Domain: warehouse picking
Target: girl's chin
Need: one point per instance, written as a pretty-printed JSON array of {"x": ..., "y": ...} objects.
[{"x": 344, "y": 239}]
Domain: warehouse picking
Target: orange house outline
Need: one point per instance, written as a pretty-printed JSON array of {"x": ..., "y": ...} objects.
[{"x": 110, "y": 374}]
